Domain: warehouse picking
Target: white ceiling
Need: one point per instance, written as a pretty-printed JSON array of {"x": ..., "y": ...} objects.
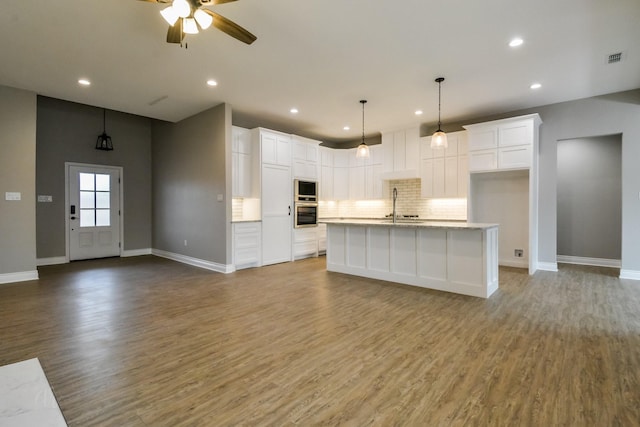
[{"x": 323, "y": 56}]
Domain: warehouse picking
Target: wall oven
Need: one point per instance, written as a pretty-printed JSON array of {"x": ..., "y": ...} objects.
[
  {"x": 305, "y": 191},
  {"x": 305, "y": 214}
]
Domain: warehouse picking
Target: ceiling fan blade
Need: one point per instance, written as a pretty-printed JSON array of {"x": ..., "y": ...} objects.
[
  {"x": 175, "y": 34},
  {"x": 214, "y": 2},
  {"x": 231, "y": 28}
]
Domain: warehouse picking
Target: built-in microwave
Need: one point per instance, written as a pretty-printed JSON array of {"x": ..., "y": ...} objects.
[{"x": 305, "y": 191}]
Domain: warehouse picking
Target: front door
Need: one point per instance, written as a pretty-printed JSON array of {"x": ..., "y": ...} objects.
[{"x": 93, "y": 211}]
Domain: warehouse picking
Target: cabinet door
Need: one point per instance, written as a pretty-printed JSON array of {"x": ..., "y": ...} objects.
[
  {"x": 483, "y": 139},
  {"x": 517, "y": 133},
  {"x": 356, "y": 183},
  {"x": 451, "y": 177},
  {"x": 326, "y": 156},
  {"x": 412, "y": 148},
  {"x": 244, "y": 175},
  {"x": 483, "y": 160},
  {"x": 373, "y": 182},
  {"x": 515, "y": 157},
  {"x": 463, "y": 176},
  {"x": 268, "y": 144},
  {"x": 283, "y": 150},
  {"x": 387, "y": 152},
  {"x": 399, "y": 151},
  {"x": 438, "y": 178},
  {"x": 326, "y": 183},
  {"x": 276, "y": 214},
  {"x": 341, "y": 183},
  {"x": 235, "y": 174},
  {"x": 452, "y": 145},
  {"x": 426, "y": 175}
]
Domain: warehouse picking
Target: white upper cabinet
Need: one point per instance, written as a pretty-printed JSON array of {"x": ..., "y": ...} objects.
[
  {"x": 241, "y": 168},
  {"x": 503, "y": 144},
  {"x": 305, "y": 158},
  {"x": 401, "y": 154},
  {"x": 444, "y": 172},
  {"x": 275, "y": 146},
  {"x": 326, "y": 173}
]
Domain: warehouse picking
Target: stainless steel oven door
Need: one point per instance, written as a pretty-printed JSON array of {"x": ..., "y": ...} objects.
[{"x": 306, "y": 215}]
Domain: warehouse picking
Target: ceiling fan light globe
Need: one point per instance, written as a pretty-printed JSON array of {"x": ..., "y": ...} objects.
[
  {"x": 182, "y": 8},
  {"x": 439, "y": 140},
  {"x": 204, "y": 19},
  {"x": 189, "y": 26},
  {"x": 169, "y": 14}
]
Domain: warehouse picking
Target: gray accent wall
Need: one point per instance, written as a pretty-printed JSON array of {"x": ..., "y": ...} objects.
[
  {"x": 616, "y": 113},
  {"x": 589, "y": 197},
  {"x": 191, "y": 167},
  {"x": 67, "y": 132},
  {"x": 17, "y": 174}
]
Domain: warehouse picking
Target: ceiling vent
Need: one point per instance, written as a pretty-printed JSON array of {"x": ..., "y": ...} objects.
[{"x": 615, "y": 58}]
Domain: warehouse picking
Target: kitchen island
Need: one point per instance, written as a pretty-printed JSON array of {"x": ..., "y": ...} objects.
[{"x": 448, "y": 256}]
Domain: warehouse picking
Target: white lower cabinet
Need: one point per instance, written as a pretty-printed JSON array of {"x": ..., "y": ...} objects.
[
  {"x": 246, "y": 244},
  {"x": 305, "y": 242}
]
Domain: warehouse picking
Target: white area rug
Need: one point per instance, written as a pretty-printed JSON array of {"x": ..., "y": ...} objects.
[{"x": 26, "y": 400}]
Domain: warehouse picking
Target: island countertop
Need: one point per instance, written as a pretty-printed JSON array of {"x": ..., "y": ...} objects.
[{"x": 412, "y": 223}]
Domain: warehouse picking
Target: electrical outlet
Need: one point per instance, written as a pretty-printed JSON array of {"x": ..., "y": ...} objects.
[{"x": 518, "y": 253}]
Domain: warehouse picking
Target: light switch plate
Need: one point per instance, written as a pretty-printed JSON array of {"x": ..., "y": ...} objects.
[
  {"x": 42, "y": 198},
  {"x": 220, "y": 197},
  {"x": 11, "y": 195}
]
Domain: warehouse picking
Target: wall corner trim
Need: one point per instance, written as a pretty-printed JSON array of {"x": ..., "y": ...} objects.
[
  {"x": 630, "y": 274},
  {"x": 548, "y": 266},
  {"x": 21, "y": 276},
  {"x": 196, "y": 262}
]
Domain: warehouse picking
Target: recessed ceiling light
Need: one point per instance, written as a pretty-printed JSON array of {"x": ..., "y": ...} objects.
[
  {"x": 516, "y": 42},
  {"x": 535, "y": 86},
  {"x": 212, "y": 83},
  {"x": 418, "y": 112},
  {"x": 346, "y": 128},
  {"x": 294, "y": 111},
  {"x": 84, "y": 82}
]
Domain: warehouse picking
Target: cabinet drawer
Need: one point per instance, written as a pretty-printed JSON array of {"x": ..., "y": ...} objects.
[
  {"x": 515, "y": 157},
  {"x": 483, "y": 160}
]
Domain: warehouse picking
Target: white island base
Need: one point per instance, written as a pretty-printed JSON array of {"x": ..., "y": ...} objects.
[{"x": 452, "y": 257}]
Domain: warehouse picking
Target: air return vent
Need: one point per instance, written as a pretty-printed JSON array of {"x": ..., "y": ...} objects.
[{"x": 614, "y": 58}]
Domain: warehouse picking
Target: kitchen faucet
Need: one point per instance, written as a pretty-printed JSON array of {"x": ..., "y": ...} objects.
[{"x": 395, "y": 196}]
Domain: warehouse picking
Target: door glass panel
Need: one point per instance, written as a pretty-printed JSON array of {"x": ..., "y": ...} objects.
[
  {"x": 102, "y": 200},
  {"x": 102, "y": 218},
  {"x": 87, "y": 200},
  {"x": 95, "y": 200},
  {"x": 87, "y": 218},
  {"x": 102, "y": 182},
  {"x": 87, "y": 182}
]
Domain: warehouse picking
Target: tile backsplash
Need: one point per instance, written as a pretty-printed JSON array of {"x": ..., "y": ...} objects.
[{"x": 409, "y": 202}]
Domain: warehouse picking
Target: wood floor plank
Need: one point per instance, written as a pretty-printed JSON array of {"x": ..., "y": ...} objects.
[{"x": 149, "y": 342}]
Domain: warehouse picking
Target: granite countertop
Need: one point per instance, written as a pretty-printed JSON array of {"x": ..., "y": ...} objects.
[{"x": 415, "y": 223}]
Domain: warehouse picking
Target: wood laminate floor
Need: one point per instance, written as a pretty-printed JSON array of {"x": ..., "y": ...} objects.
[{"x": 149, "y": 342}]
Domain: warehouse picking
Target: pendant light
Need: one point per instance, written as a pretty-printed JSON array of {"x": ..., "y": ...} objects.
[
  {"x": 363, "y": 148},
  {"x": 104, "y": 141},
  {"x": 439, "y": 138}
]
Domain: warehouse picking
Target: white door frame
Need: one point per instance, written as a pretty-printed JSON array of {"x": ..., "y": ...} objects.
[{"x": 67, "y": 213}]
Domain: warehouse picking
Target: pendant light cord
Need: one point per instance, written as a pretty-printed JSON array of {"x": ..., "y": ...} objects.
[
  {"x": 104, "y": 120},
  {"x": 363, "y": 102},
  {"x": 439, "y": 98}
]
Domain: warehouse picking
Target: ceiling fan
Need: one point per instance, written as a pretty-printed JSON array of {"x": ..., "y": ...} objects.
[{"x": 186, "y": 16}]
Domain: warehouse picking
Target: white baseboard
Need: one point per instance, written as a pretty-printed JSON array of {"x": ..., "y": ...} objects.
[
  {"x": 136, "y": 252},
  {"x": 514, "y": 263},
  {"x": 548, "y": 266},
  {"x": 196, "y": 262},
  {"x": 598, "y": 262},
  {"x": 52, "y": 261},
  {"x": 630, "y": 274},
  {"x": 21, "y": 276}
]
